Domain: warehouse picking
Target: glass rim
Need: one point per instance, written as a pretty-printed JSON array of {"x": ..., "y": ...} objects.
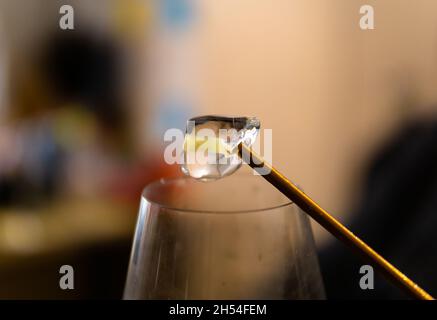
[{"x": 167, "y": 181}]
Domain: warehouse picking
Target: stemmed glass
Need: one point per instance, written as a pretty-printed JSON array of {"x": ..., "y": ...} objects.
[{"x": 236, "y": 238}]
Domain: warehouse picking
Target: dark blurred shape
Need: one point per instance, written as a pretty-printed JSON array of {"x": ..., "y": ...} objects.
[
  {"x": 37, "y": 179},
  {"x": 85, "y": 68},
  {"x": 73, "y": 86},
  {"x": 397, "y": 217},
  {"x": 100, "y": 273}
]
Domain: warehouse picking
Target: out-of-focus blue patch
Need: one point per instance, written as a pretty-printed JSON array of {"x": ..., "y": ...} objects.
[
  {"x": 176, "y": 13},
  {"x": 172, "y": 114}
]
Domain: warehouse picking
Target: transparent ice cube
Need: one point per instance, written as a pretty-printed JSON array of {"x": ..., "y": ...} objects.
[{"x": 211, "y": 145}]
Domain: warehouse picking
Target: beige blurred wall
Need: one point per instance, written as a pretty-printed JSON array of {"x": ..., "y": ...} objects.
[{"x": 331, "y": 92}]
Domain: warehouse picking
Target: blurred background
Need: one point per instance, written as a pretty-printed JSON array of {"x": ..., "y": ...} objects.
[{"x": 83, "y": 112}]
